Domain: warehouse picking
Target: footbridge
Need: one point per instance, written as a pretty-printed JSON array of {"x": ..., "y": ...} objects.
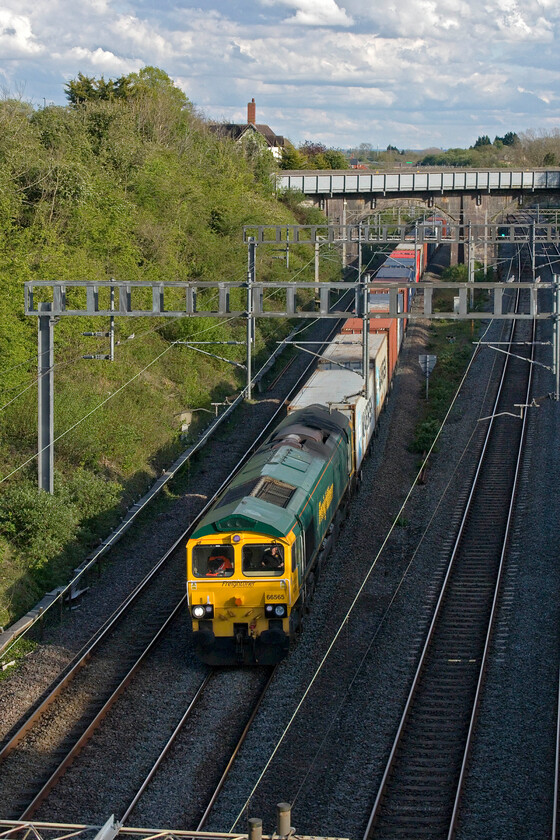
[{"x": 424, "y": 183}]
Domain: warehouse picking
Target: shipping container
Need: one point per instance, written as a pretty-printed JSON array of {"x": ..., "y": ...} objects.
[
  {"x": 342, "y": 388},
  {"x": 378, "y": 301},
  {"x": 395, "y": 274},
  {"x": 419, "y": 249},
  {"x": 379, "y": 326}
]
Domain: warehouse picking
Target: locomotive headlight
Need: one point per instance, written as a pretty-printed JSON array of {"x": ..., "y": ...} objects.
[
  {"x": 200, "y": 611},
  {"x": 276, "y": 610}
]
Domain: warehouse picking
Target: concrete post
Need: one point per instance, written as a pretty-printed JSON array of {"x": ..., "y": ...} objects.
[
  {"x": 45, "y": 435},
  {"x": 283, "y": 819},
  {"x": 255, "y": 829}
]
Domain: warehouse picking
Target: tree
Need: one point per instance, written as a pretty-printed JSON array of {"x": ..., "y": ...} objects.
[
  {"x": 510, "y": 139},
  {"x": 82, "y": 89},
  {"x": 311, "y": 149},
  {"x": 149, "y": 82},
  {"x": 484, "y": 140},
  {"x": 292, "y": 158},
  {"x": 335, "y": 159}
]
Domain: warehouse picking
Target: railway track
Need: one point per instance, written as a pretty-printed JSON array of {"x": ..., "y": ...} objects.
[
  {"x": 38, "y": 751},
  {"x": 420, "y": 792},
  {"x": 258, "y": 684}
]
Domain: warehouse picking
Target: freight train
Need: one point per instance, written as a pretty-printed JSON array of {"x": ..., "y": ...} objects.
[{"x": 254, "y": 559}]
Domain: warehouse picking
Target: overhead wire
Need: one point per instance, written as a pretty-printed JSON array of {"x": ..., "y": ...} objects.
[
  {"x": 355, "y": 599},
  {"x": 89, "y": 413},
  {"x": 403, "y": 576}
]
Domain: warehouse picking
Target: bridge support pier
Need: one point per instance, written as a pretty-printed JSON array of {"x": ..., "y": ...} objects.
[{"x": 473, "y": 207}]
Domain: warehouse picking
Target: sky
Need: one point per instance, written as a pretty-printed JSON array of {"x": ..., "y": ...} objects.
[{"x": 411, "y": 73}]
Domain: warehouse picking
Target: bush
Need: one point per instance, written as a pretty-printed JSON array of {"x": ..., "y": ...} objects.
[
  {"x": 43, "y": 527},
  {"x": 36, "y": 522},
  {"x": 425, "y": 435}
]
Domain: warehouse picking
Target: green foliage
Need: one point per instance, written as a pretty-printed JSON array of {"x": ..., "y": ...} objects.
[
  {"x": 311, "y": 155},
  {"x": 292, "y": 158},
  {"x": 15, "y": 655},
  {"x": 148, "y": 82},
  {"x": 455, "y": 274},
  {"x": 124, "y": 182},
  {"x": 40, "y": 525},
  {"x": 510, "y": 138},
  {"x": 451, "y": 342},
  {"x": 40, "y": 532},
  {"x": 425, "y": 435}
]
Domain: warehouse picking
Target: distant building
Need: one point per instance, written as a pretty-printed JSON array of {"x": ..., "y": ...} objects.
[
  {"x": 356, "y": 164},
  {"x": 238, "y": 132}
]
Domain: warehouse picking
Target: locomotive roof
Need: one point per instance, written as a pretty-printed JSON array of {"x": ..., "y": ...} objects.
[{"x": 274, "y": 485}]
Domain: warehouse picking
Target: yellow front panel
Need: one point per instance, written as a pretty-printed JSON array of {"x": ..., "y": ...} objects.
[{"x": 239, "y": 594}]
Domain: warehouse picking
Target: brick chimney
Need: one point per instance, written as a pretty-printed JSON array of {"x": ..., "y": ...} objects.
[{"x": 251, "y": 112}]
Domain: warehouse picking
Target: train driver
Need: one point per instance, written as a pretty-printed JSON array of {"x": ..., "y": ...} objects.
[
  {"x": 219, "y": 566},
  {"x": 272, "y": 558}
]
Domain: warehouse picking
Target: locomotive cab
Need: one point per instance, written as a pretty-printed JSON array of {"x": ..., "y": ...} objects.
[{"x": 240, "y": 592}]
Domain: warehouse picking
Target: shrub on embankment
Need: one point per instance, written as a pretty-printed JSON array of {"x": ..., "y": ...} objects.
[{"x": 138, "y": 189}]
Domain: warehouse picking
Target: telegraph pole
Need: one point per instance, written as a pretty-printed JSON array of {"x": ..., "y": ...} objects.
[
  {"x": 46, "y": 324},
  {"x": 250, "y": 317}
]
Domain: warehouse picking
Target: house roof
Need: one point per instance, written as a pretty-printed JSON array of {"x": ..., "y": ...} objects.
[{"x": 235, "y": 132}]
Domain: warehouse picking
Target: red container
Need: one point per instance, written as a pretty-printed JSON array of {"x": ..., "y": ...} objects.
[
  {"x": 379, "y": 325},
  {"x": 409, "y": 249}
]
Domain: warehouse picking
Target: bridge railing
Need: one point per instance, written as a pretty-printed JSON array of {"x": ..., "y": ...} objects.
[{"x": 381, "y": 183}]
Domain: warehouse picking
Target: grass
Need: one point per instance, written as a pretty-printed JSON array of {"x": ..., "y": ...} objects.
[
  {"x": 452, "y": 343},
  {"x": 15, "y": 656}
]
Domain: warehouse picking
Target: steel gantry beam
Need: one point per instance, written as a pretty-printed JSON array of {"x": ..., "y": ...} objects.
[
  {"x": 261, "y": 303},
  {"x": 490, "y": 233},
  {"x": 49, "y": 301}
]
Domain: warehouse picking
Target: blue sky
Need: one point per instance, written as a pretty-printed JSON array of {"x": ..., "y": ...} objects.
[{"x": 413, "y": 73}]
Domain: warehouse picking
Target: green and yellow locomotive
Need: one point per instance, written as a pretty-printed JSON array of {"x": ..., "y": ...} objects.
[{"x": 253, "y": 559}]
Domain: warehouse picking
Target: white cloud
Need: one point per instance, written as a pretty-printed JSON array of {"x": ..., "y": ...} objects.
[
  {"x": 314, "y": 12},
  {"x": 401, "y": 71},
  {"x": 102, "y": 61},
  {"x": 141, "y": 35},
  {"x": 16, "y": 36},
  {"x": 546, "y": 96}
]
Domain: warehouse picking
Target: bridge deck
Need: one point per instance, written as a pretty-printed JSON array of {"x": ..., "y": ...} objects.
[{"x": 353, "y": 182}]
